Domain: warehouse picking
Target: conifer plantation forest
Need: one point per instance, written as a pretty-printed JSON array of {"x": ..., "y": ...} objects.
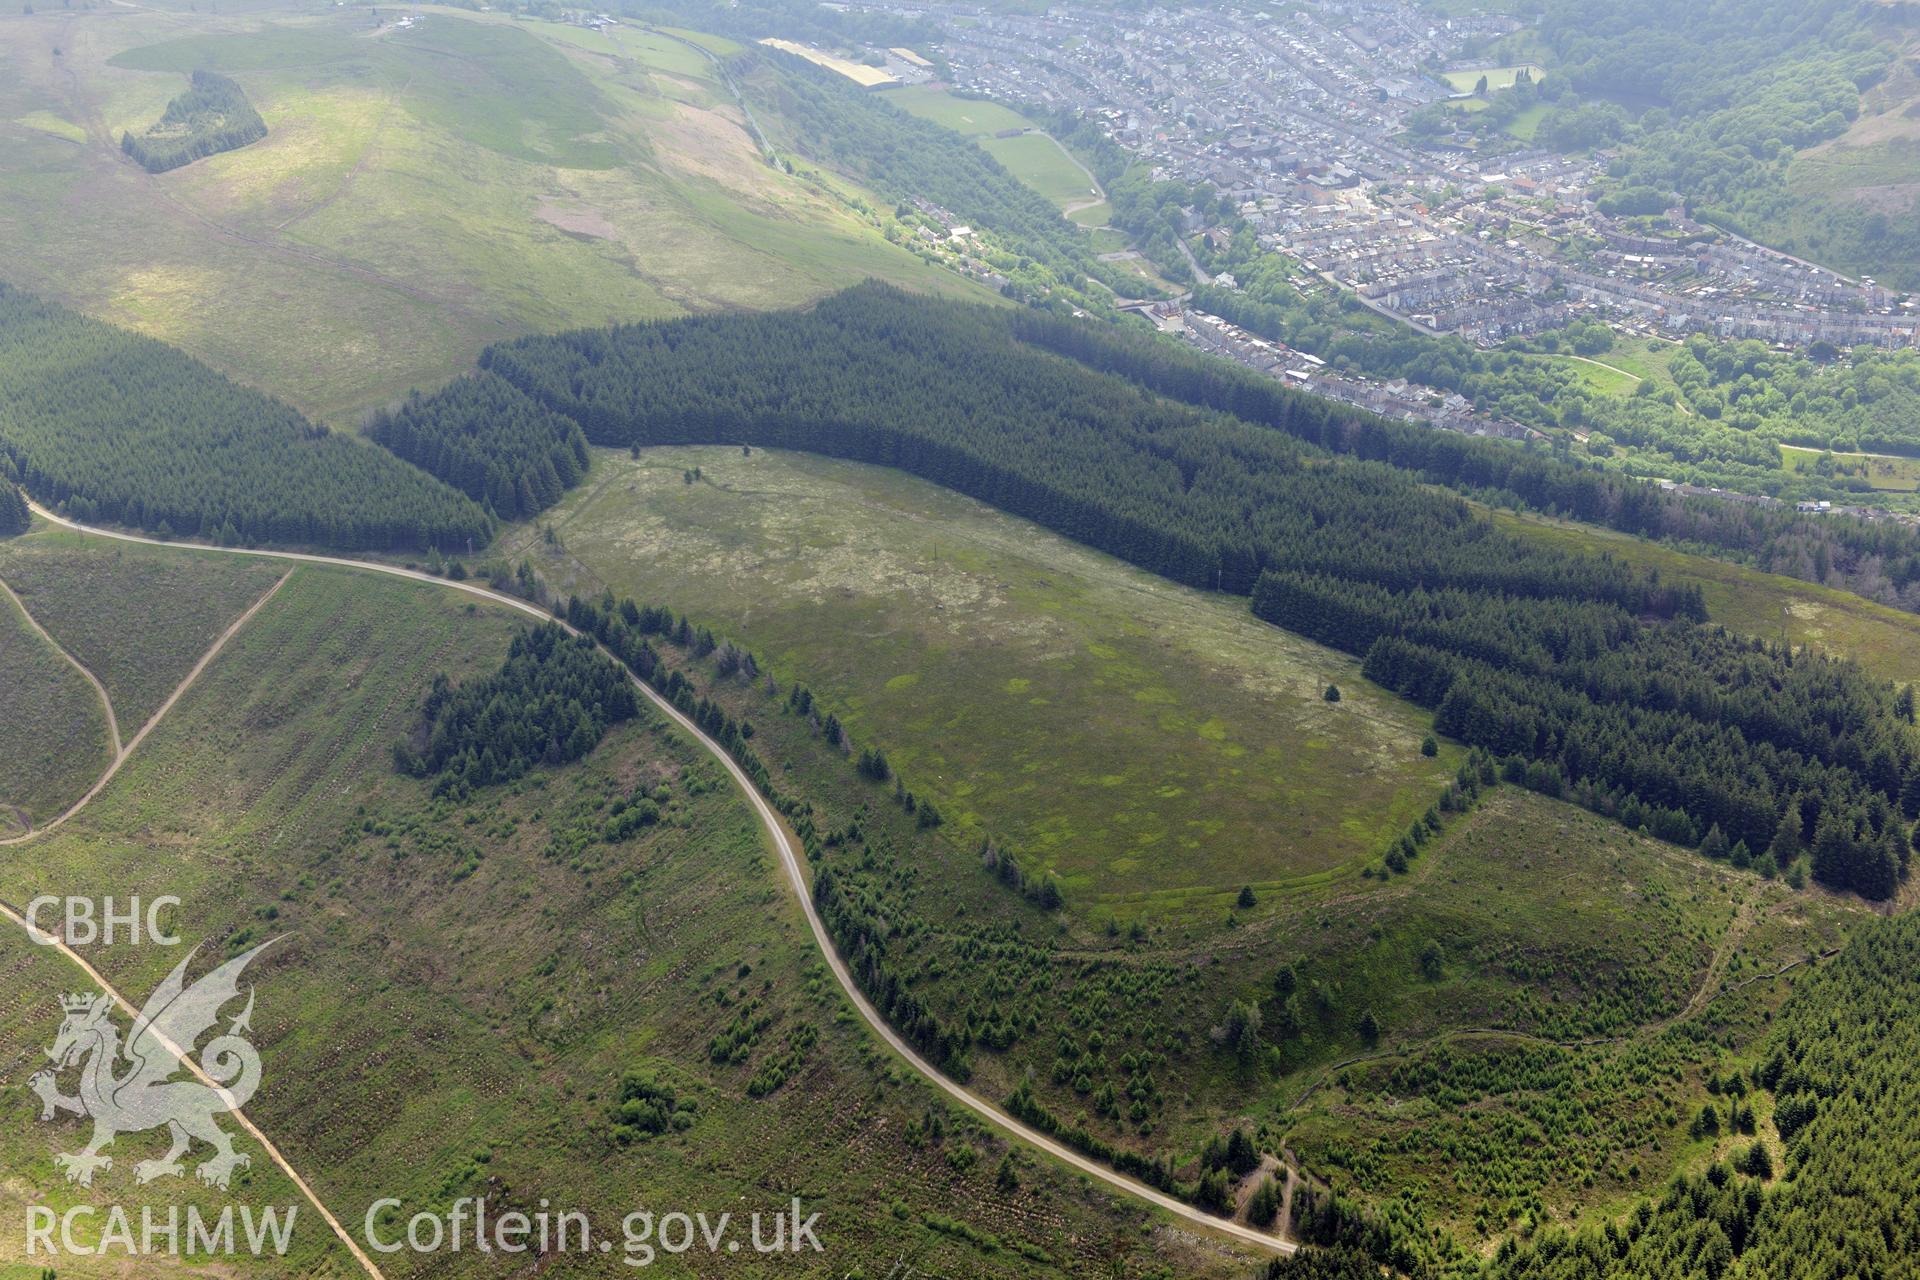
[
  {"x": 126, "y": 430},
  {"x": 1589, "y": 680},
  {"x": 486, "y": 439},
  {"x": 210, "y": 117}
]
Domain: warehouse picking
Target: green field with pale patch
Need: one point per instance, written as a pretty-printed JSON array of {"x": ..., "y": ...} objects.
[
  {"x": 1033, "y": 156},
  {"x": 420, "y": 192},
  {"x": 49, "y": 123},
  {"x": 968, "y": 117},
  {"x": 1145, "y": 741}
]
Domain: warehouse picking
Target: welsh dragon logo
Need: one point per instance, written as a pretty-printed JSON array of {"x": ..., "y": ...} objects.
[{"x": 133, "y": 1089}]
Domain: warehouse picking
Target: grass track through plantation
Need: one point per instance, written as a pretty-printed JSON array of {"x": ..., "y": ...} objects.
[
  {"x": 783, "y": 840},
  {"x": 106, "y": 703},
  {"x": 122, "y": 752}
]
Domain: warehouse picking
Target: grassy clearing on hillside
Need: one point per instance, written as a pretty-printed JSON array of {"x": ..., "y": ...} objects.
[
  {"x": 1150, "y": 275},
  {"x": 137, "y": 617},
  {"x": 1037, "y": 160},
  {"x": 420, "y": 194},
  {"x": 461, "y": 989},
  {"x": 1651, "y": 359},
  {"x": 59, "y": 127},
  {"x": 53, "y": 733},
  {"x": 1883, "y": 640},
  {"x": 1155, "y": 746},
  {"x": 1095, "y": 216},
  {"x": 1526, "y": 123},
  {"x": 969, "y": 117},
  {"x": 1598, "y": 374},
  {"x": 1033, "y": 157}
]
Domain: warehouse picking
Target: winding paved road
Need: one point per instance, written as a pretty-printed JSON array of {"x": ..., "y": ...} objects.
[{"x": 783, "y": 840}]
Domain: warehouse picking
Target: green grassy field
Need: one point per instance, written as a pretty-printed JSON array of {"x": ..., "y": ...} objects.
[
  {"x": 1037, "y": 160},
  {"x": 1148, "y": 743},
  {"x": 969, "y": 117},
  {"x": 1646, "y": 359},
  {"x": 1885, "y": 472},
  {"x": 1150, "y": 274},
  {"x": 1033, "y": 157},
  {"x": 1526, "y": 124},
  {"x": 1497, "y": 78},
  {"x": 1597, "y": 373},
  {"x": 137, "y": 617},
  {"x": 419, "y": 194},
  {"x": 460, "y": 989},
  {"x": 1095, "y": 216},
  {"x": 49, "y": 123},
  {"x": 53, "y": 732}
]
